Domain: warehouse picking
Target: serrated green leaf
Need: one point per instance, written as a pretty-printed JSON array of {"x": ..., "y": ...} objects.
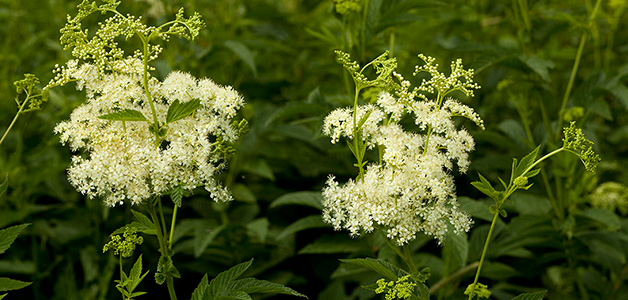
[
  {"x": 145, "y": 224},
  {"x": 178, "y": 111},
  {"x": 531, "y": 296},
  {"x": 201, "y": 290},
  {"x": 135, "y": 276},
  {"x": 124, "y": 115},
  {"x": 8, "y": 236},
  {"x": 235, "y": 295},
  {"x": 378, "y": 266},
  {"x": 313, "y": 221},
  {"x": 312, "y": 199},
  {"x": 165, "y": 268},
  {"x": 220, "y": 284},
  {"x": 256, "y": 286},
  {"x": 7, "y": 284},
  {"x": 177, "y": 194},
  {"x": 486, "y": 188},
  {"x": 526, "y": 162}
]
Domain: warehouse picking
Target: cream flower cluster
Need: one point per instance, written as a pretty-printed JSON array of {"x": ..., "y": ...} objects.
[
  {"x": 411, "y": 189},
  {"x": 122, "y": 160}
]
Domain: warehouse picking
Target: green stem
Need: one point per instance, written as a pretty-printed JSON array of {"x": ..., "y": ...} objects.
[
  {"x": 456, "y": 275},
  {"x": 413, "y": 268},
  {"x": 410, "y": 262},
  {"x": 572, "y": 77},
  {"x": 145, "y": 82},
  {"x": 365, "y": 10},
  {"x": 574, "y": 70},
  {"x": 488, "y": 239},
  {"x": 174, "y": 219},
  {"x": 17, "y": 115},
  {"x": 170, "y": 284},
  {"x": 162, "y": 246},
  {"x": 439, "y": 102}
]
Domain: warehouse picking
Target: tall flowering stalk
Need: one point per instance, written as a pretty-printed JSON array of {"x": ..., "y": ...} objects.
[
  {"x": 140, "y": 138},
  {"x": 410, "y": 189}
]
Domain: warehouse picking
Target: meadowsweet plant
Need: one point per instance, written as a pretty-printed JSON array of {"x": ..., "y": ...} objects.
[
  {"x": 409, "y": 189},
  {"x": 139, "y": 138}
]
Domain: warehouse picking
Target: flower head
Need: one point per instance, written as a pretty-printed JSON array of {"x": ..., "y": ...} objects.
[
  {"x": 122, "y": 160},
  {"x": 411, "y": 189}
]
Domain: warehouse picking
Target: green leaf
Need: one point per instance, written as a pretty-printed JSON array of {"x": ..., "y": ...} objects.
[
  {"x": 258, "y": 229},
  {"x": 201, "y": 290},
  {"x": 7, "y": 284},
  {"x": 203, "y": 237},
  {"x": 526, "y": 162},
  {"x": 604, "y": 216},
  {"x": 335, "y": 244},
  {"x": 135, "y": 277},
  {"x": 177, "y": 194},
  {"x": 4, "y": 185},
  {"x": 538, "y": 65},
  {"x": 221, "y": 283},
  {"x": 378, "y": 266},
  {"x": 8, "y": 236},
  {"x": 312, "y": 199},
  {"x": 178, "y": 111},
  {"x": 2, "y": 296},
  {"x": 486, "y": 188},
  {"x": 531, "y": 296},
  {"x": 253, "y": 286},
  {"x": 313, "y": 221},
  {"x": 144, "y": 224},
  {"x": 259, "y": 167},
  {"x": 165, "y": 268},
  {"x": 242, "y": 193},
  {"x": 124, "y": 115},
  {"x": 363, "y": 119},
  {"x": 455, "y": 251},
  {"x": 244, "y": 53},
  {"x": 235, "y": 295}
]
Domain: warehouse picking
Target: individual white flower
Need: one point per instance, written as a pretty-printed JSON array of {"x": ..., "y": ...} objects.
[{"x": 123, "y": 160}]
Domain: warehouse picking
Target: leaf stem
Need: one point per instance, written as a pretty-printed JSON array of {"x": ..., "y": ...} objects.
[
  {"x": 488, "y": 239},
  {"x": 17, "y": 115},
  {"x": 174, "y": 219}
]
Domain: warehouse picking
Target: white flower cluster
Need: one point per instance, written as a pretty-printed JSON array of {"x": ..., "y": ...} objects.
[
  {"x": 611, "y": 195},
  {"x": 411, "y": 190},
  {"x": 122, "y": 160}
]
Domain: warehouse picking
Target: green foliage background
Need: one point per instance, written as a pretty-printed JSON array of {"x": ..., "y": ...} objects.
[{"x": 278, "y": 54}]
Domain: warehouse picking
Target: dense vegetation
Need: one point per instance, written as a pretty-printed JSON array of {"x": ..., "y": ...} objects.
[{"x": 540, "y": 65}]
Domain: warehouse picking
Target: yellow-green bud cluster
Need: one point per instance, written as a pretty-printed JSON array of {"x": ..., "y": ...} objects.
[
  {"x": 124, "y": 245},
  {"x": 477, "y": 290},
  {"x": 576, "y": 142},
  {"x": 402, "y": 288}
]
